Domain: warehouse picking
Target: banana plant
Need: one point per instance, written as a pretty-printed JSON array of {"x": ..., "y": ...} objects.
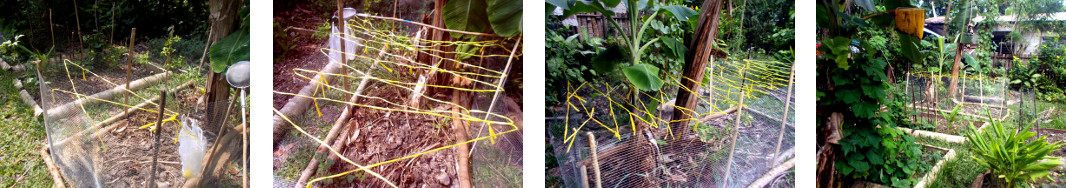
[
  {"x": 643, "y": 76},
  {"x": 1007, "y": 153}
]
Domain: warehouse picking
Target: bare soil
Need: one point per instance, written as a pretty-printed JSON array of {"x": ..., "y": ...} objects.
[
  {"x": 305, "y": 53},
  {"x": 941, "y": 125},
  {"x": 94, "y": 84},
  {"x": 128, "y": 157},
  {"x": 1053, "y": 135},
  {"x": 377, "y": 136}
]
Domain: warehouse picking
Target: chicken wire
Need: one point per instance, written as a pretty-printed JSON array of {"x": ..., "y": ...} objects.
[
  {"x": 93, "y": 145},
  {"x": 632, "y": 156}
]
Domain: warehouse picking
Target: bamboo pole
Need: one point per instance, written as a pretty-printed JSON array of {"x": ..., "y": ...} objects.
[
  {"x": 595, "y": 160},
  {"x": 159, "y": 129},
  {"x": 773, "y": 173},
  {"x": 784, "y": 118},
  {"x": 733, "y": 144}
]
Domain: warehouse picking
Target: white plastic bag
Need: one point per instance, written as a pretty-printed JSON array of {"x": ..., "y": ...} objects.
[{"x": 191, "y": 146}]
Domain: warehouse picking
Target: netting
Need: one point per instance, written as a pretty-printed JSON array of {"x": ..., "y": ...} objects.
[
  {"x": 725, "y": 148},
  {"x": 976, "y": 97},
  {"x": 401, "y": 133},
  {"x": 101, "y": 133}
]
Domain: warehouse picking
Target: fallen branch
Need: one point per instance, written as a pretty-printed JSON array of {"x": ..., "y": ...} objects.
[
  {"x": 52, "y": 169},
  {"x": 773, "y": 173}
]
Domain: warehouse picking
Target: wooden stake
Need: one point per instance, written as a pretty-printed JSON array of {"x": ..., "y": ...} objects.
[
  {"x": 733, "y": 144},
  {"x": 595, "y": 160},
  {"x": 158, "y": 130},
  {"x": 784, "y": 118}
]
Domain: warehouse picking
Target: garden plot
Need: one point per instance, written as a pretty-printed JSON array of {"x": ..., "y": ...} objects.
[
  {"x": 385, "y": 123},
  {"x": 103, "y": 139},
  {"x": 728, "y": 147}
]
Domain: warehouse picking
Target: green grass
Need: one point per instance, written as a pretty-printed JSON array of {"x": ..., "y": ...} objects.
[
  {"x": 22, "y": 136},
  {"x": 957, "y": 172}
]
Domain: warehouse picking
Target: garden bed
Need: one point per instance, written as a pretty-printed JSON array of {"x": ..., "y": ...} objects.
[
  {"x": 941, "y": 129},
  {"x": 1053, "y": 135},
  {"x": 933, "y": 158}
]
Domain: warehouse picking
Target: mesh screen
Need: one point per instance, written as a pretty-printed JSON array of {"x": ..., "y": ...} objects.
[
  {"x": 976, "y": 96},
  {"x": 726, "y": 148}
]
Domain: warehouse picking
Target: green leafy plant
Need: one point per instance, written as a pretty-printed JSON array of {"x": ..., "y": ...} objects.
[
  {"x": 953, "y": 116},
  {"x": 1012, "y": 159},
  {"x": 233, "y": 48},
  {"x": 505, "y": 17},
  {"x": 643, "y": 77}
]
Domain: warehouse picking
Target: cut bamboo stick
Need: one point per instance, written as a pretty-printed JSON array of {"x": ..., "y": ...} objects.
[{"x": 733, "y": 143}]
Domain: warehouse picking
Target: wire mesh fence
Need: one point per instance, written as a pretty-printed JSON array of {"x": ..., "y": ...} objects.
[
  {"x": 724, "y": 147},
  {"x": 101, "y": 133},
  {"x": 941, "y": 108},
  {"x": 403, "y": 129}
]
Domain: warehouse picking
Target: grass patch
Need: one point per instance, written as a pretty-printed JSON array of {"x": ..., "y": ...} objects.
[{"x": 23, "y": 136}]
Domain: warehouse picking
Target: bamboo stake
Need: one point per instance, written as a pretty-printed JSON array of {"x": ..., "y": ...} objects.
[
  {"x": 51, "y": 29},
  {"x": 129, "y": 65},
  {"x": 733, "y": 145},
  {"x": 344, "y": 33},
  {"x": 78, "y": 20},
  {"x": 159, "y": 129},
  {"x": 111, "y": 37},
  {"x": 595, "y": 160},
  {"x": 784, "y": 118}
]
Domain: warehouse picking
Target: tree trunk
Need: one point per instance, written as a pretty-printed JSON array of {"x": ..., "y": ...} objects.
[
  {"x": 223, "y": 21},
  {"x": 705, "y": 33}
]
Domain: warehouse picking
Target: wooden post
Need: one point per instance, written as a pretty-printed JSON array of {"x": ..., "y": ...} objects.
[
  {"x": 158, "y": 130},
  {"x": 784, "y": 118},
  {"x": 696, "y": 62},
  {"x": 584, "y": 176},
  {"x": 595, "y": 160},
  {"x": 129, "y": 65},
  {"x": 733, "y": 144}
]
